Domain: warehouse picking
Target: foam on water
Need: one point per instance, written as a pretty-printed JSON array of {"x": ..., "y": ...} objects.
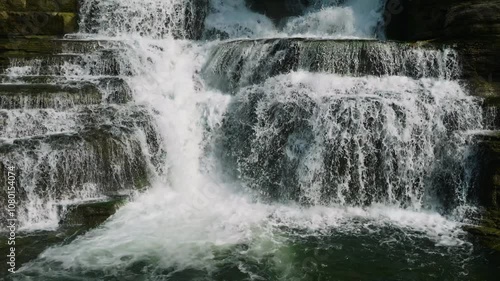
[
  {"x": 353, "y": 18},
  {"x": 193, "y": 216},
  {"x": 181, "y": 230}
]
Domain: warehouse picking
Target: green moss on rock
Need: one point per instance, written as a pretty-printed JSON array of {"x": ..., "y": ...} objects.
[
  {"x": 92, "y": 214},
  {"x": 488, "y": 231},
  {"x": 37, "y": 23},
  {"x": 12, "y": 5},
  {"x": 70, "y": 6}
]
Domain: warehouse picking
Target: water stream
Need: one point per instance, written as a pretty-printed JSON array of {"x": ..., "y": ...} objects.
[{"x": 299, "y": 150}]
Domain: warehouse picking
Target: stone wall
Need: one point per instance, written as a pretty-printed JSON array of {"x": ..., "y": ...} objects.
[{"x": 38, "y": 17}]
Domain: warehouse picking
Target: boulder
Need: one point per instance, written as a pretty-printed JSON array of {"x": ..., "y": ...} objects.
[{"x": 91, "y": 214}]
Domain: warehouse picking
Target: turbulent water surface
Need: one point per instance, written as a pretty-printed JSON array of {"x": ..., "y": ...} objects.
[{"x": 298, "y": 150}]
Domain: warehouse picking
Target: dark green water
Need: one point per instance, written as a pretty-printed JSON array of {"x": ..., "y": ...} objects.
[{"x": 365, "y": 253}]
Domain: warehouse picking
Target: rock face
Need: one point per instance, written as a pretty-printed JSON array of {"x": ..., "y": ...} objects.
[
  {"x": 71, "y": 137},
  {"x": 35, "y": 17},
  {"x": 278, "y": 9},
  {"x": 487, "y": 184},
  {"x": 472, "y": 27}
]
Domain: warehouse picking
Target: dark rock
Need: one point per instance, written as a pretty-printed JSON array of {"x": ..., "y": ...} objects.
[
  {"x": 47, "y": 96},
  {"x": 473, "y": 27},
  {"x": 91, "y": 214},
  {"x": 78, "y": 220},
  {"x": 487, "y": 170},
  {"x": 37, "y": 23},
  {"x": 70, "y": 6},
  {"x": 278, "y": 9},
  {"x": 488, "y": 231},
  {"x": 240, "y": 63},
  {"x": 30, "y": 245}
]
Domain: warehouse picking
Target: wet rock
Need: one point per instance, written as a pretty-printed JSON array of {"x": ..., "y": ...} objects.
[
  {"x": 186, "y": 20},
  {"x": 488, "y": 231},
  {"x": 487, "y": 169},
  {"x": 472, "y": 27},
  {"x": 30, "y": 245},
  {"x": 47, "y": 95},
  {"x": 37, "y": 23},
  {"x": 40, "y": 5},
  {"x": 78, "y": 220},
  {"x": 240, "y": 63},
  {"x": 91, "y": 214}
]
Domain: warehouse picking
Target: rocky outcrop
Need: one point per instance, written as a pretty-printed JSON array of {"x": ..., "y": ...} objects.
[
  {"x": 77, "y": 220},
  {"x": 71, "y": 138},
  {"x": 489, "y": 230},
  {"x": 472, "y": 27},
  {"x": 487, "y": 167},
  {"x": 35, "y": 17},
  {"x": 92, "y": 214}
]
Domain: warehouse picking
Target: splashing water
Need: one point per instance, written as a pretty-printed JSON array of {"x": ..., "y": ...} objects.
[
  {"x": 331, "y": 19},
  {"x": 300, "y": 174}
]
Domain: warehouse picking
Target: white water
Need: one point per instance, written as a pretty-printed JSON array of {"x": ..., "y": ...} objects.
[
  {"x": 325, "y": 18},
  {"x": 191, "y": 213},
  {"x": 350, "y": 140}
]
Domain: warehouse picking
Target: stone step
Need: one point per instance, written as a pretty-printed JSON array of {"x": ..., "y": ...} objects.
[
  {"x": 25, "y": 123},
  {"x": 69, "y": 167},
  {"x": 58, "y": 166},
  {"x": 37, "y": 23},
  {"x": 40, "y": 45},
  {"x": 60, "y": 96},
  {"x": 31, "y": 46},
  {"x": 96, "y": 64},
  {"x": 69, "y": 6},
  {"x": 103, "y": 80},
  {"x": 239, "y": 63}
]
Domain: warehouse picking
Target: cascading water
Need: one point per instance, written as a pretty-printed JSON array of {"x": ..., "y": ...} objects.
[
  {"x": 326, "y": 139},
  {"x": 276, "y": 159}
]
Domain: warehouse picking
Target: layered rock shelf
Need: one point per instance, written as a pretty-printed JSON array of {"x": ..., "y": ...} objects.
[
  {"x": 35, "y": 17},
  {"x": 473, "y": 29}
]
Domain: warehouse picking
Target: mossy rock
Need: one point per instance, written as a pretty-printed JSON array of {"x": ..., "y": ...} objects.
[
  {"x": 37, "y": 23},
  {"x": 79, "y": 219},
  {"x": 91, "y": 214},
  {"x": 70, "y": 6},
  {"x": 12, "y": 5},
  {"x": 488, "y": 231}
]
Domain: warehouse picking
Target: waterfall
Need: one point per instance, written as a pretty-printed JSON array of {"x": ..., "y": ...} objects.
[{"x": 253, "y": 138}]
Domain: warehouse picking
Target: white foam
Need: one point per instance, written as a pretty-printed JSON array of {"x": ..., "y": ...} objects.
[
  {"x": 189, "y": 214},
  {"x": 324, "y": 18}
]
